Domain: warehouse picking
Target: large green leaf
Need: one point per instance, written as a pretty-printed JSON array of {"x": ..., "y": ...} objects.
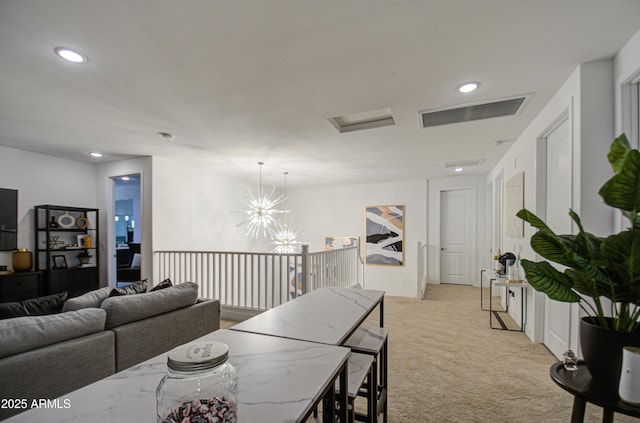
[
  {"x": 618, "y": 151},
  {"x": 574, "y": 216},
  {"x": 622, "y": 191},
  {"x": 583, "y": 284},
  {"x": 583, "y": 244},
  {"x": 586, "y": 244},
  {"x": 559, "y": 249},
  {"x": 533, "y": 220},
  {"x": 633, "y": 217},
  {"x": 595, "y": 273},
  {"x": 621, "y": 253},
  {"x": 545, "y": 278}
]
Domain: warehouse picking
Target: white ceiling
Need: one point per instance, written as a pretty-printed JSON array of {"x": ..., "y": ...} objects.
[{"x": 242, "y": 81}]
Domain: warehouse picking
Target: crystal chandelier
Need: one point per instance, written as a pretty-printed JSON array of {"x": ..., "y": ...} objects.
[
  {"x": 285, "y": 238},
  {"x": 261, "y": 210},
  {"x": 284, "y": 232}
]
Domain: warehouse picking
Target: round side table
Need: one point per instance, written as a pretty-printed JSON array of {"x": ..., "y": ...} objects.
[{"x": 579, "y": 384}]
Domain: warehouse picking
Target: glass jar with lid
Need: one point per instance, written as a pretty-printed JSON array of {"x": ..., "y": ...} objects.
[{"x": 200, "y": 383}]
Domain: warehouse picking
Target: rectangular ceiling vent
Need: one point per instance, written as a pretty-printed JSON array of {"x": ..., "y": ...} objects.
[
  {"x": 507, "y": 107},
  {"x": 464, "y": 163},
  {"x": 363, "y": 120}
]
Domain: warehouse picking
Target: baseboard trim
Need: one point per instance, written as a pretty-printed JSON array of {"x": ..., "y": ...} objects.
[{"x": 238, "y": 314}]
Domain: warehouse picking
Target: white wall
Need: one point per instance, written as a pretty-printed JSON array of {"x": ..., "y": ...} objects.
[
  {"x": 596, "y": 121},
  {"x": 587, "y": 96},
  {"x": 340, "y": 211},
  {"x": 192, "y": 209},
  {"x": 626, "y": 72},
  {"x": 42, "y": 179}
]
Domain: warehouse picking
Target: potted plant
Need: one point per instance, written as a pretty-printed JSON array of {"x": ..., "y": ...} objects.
[
  {"x": 596, "y": 268},
  {"x": 83, "y": 257}
]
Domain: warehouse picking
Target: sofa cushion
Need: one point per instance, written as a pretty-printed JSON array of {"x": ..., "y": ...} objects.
[
  {"x": 131, "y": 308},
  {"x": 91, "y": 299},
  {"x": 40, "y": 306},
  {"x": 162, "y": 285},
  {"x": 134, "y": 288},
  {"x": 30, "y": 332}
]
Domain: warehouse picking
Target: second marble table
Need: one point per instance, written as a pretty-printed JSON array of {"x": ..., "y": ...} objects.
[{"x": 326, "y": 315}]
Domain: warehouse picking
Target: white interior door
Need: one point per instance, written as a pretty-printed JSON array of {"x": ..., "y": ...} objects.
[
  {"x": 557, "y": 326},
  {"x": 457, "y": 229}
]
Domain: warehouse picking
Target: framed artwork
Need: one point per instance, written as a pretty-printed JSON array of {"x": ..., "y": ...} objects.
[
  {"x": 334, "y": 242},
  {"x": 59, "y": 262},
  {"x": 385, "y": 235},
  {"x": 514, "y": 193}
]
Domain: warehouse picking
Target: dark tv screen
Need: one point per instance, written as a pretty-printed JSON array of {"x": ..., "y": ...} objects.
[{"x": 8, "y": 219}]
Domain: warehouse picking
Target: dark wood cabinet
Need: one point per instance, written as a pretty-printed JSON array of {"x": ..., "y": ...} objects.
[
  {"x": 74, "y": 281},
  {"x": 63, "y": 235},
  {"x": 20, "y": 286}
]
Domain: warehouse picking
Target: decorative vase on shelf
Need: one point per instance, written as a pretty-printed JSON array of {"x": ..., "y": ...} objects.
[{"x": 22, "y": 260}]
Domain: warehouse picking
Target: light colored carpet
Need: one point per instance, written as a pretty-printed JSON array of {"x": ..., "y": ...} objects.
[{"x": 447, "y": 365}]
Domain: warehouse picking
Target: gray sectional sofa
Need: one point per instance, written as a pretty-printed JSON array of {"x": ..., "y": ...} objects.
[{"x": 45, "y": 357}]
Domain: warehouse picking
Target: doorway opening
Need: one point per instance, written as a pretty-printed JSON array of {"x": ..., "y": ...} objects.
[{"x": 127, "y": 224}]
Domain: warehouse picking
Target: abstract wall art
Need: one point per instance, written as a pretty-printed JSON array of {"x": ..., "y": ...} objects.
[{"x": 385, "y": 235}]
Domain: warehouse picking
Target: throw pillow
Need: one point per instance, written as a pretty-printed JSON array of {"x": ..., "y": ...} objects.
[
  {"x": 50, "y": 304},
  {"x": 13, "y": 309},
  {"x": 134, "y": 288},
  {"x": 91, "y": 299},
  {"x": 162, "y": 285}
]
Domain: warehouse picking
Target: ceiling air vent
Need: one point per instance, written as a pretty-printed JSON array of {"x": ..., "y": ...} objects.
[
  {"x": 363, "y": 120},
  {"x": 471, "y": 112}
]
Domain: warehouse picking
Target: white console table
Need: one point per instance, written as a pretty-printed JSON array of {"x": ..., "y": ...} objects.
[{"x": 523, "y": 300}]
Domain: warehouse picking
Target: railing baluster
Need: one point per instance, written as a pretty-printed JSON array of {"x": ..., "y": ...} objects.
[{"x": 258, "y": 280}]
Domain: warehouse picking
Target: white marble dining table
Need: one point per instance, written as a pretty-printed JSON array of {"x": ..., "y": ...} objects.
[
  {"x": 325, "y": 315},
  {"x": 279, "y": 380}
]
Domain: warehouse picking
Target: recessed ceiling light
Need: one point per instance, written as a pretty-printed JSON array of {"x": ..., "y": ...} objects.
[
  {"x": 468, "y": 87},
  {"x": 126, "y": 178},
  {"x": 70, "y": 55},
  {"x": 500, "y": 142},
  {"x": 458, "y": 169},
  {"x": 95, "y": 154}
]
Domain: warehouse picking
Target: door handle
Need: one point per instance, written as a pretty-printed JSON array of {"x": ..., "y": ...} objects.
[{"x": 442, "y": 248}]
